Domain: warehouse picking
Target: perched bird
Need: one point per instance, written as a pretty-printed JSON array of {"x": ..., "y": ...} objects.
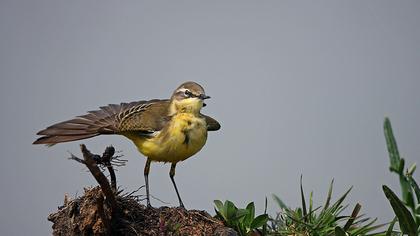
[{"x": 169, "y": 130}]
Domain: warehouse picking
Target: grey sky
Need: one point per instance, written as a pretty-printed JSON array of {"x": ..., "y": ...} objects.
[{"x": 299, "y": 88}]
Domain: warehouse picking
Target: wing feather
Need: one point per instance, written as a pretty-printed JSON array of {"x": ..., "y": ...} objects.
[
  {"x": 142, "y": 117},
  {"x": 111, "y": 119}
]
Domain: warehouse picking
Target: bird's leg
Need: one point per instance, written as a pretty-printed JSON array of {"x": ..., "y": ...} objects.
[
  {"x": 146, "y": 178},
  {"x": 172, "y": 174}
]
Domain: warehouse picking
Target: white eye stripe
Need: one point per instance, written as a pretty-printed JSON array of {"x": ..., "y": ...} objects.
[
  {"x": 186, "y": 93},
  {"x": 182, "y": 90}
]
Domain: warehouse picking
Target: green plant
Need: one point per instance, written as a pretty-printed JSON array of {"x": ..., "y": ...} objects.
[
  {"x": 242, "y": 220},
  {"x": 321, "y": 221},
  {"x": 405, "y": 219},
  {"x": 409, "y": 221}
]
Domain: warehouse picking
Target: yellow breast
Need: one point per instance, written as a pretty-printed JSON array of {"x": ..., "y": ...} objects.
[{"x": 183, "y": 136}]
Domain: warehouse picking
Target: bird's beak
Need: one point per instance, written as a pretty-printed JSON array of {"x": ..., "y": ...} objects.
[{"x": 203, "y": 97}]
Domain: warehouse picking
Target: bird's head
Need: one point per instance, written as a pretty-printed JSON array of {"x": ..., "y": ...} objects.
[{"x": 188, "y": 98}]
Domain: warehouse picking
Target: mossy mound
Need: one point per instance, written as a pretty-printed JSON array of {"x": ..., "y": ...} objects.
[{"x": 90, "y": 215}]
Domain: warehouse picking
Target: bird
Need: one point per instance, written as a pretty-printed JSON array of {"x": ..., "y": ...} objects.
[{"x": 163, "y": 130}]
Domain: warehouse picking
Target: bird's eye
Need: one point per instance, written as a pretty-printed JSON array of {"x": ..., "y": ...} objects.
[{"x": 188, "y": 93}]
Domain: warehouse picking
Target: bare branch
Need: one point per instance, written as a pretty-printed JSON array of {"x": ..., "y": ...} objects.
[
  {"x": 106, "y": 159},
  {"x": 90, "y": 162}
]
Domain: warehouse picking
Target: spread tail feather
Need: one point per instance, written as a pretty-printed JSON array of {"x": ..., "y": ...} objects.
[
  {"x": 52, "y": 140},
  {"x": 82, "y": 127}
]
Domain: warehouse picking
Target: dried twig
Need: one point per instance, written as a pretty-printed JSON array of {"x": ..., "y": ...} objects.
[
  {"x": 130, "y": 194},
  {"x": 107, "y": 160},
  {"x": 90, "y": 162}
]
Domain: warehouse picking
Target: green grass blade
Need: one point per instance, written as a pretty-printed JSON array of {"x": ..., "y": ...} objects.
[
  {"x": 279, "y": 202},
  {"x": 341, "y": 199},
  {"x": 406, "y": 191},
  {"x": 264, "y": 229},
  {"x": 327, "y": 202},
  {"x": 305, "y": 212},
  {"x": 405, "y": 219},
  {"x": 394, "y": 155},
  {"x": 311, "y": 205},
  {"x": 367, "y": 228},
  {"x": 353, "y": 216},
  {"x": 265, "y": 205},
  {"x": 339, "y": 231},
  {"x": 415, "y": 186}
]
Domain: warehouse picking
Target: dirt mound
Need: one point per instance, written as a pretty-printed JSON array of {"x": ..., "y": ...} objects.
[{"x": 90, "y": 215}]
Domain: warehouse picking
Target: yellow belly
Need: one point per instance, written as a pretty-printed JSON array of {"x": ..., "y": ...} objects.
[{"x": 183, "y": 136}]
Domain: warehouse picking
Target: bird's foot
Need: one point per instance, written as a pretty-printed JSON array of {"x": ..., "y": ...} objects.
[
  {"x": 148, "y": 205},
  {"x": 181, "y": 205}
]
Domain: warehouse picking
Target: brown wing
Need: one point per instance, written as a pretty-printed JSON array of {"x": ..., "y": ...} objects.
[
  {"x": 212, "y": 124},
  {"x": 148, "y": 117},
  {"x": 142, "y": 116}
]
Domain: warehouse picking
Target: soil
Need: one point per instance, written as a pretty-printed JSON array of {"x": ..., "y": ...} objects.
[{"x": 91, "y": 215}]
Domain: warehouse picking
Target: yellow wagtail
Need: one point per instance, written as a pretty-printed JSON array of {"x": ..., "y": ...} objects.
[{"x": 169, "y": 130}]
